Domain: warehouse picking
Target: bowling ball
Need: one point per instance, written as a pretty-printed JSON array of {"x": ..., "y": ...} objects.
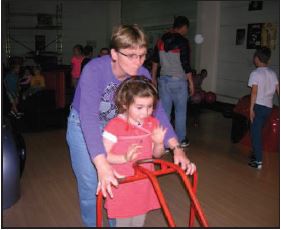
[
  {"x": 203, "y": 95},
  {"x": 196, "y": 98},
  {"x": 210, "y": 97}
]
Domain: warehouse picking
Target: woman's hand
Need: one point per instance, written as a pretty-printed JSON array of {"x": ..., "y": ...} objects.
[
  {"x": 106, "y": 175},
  {"x": 181, "y": 159},
  {"x": 158, "y": 135}
]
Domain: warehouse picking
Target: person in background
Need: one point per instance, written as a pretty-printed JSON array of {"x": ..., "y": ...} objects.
[
  {"x": 76, "y": 61},
  {"x": 25, "y": 81},
  {"x": 37, "y": 82},
  {"x": 263, "y": 82},
  {"x": 172, "y": 53},
  {"x": 104, "y": 51},
  {"x": 88, "y": 55},
  {"x": 93, "y": 107},
  {"x": 11, "y": 83},
  {"x": 198, "y": 95},
  {"x": 134, "y": 134}
]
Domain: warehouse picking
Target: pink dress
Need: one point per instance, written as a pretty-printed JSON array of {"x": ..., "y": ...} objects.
[
  {"x": 135, "y": 198},
  {"x": 76, "y": 66}
]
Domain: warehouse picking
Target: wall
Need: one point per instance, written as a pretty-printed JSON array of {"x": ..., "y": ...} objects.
[
  {"x": 156, "y": 16},
  {"x": 235, "y": 61},
  {"x": 82, "y": 21},
  {"x": 208, "y": 24}
]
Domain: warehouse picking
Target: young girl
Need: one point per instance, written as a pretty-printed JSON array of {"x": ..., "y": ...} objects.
[
  {"x": 134, "y": 134},
  {"x": 263, "y": 82},
  {"x": 76, "y": 61}
]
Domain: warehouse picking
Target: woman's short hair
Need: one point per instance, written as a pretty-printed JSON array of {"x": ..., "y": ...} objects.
[{"x": 128, "y": 36}]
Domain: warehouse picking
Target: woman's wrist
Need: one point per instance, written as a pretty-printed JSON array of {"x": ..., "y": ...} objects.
[{"x": 177, "y": 147}]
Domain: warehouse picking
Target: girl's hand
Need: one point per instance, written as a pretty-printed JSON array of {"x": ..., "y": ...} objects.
[
  {"x": 132, "y": 152},
  {"x": 106, "y": 176},
  {"x": 158, "y": 135}
]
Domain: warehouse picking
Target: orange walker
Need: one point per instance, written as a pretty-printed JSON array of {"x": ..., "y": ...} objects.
[{"x": 165, "y": 168}]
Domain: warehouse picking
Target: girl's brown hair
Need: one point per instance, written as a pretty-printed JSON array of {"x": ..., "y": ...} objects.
[
  {"x": 128, "y": 36},
  {"x": 135, "y": 86}
]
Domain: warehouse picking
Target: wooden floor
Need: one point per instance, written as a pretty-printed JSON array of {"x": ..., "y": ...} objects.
[{"x": 230, "y": 192}]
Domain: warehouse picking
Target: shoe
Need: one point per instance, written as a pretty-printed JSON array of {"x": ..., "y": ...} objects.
[
  {"x": 256, "y": 164},
  {"x": 14, "y": 114},
  {"x": 252, "y": 158},
  {"x": 167, "y": 150},
  {"x": 20, "y": 114},
  {"x": 185, "y": 143},
  {"x": 196, "y": 124}
]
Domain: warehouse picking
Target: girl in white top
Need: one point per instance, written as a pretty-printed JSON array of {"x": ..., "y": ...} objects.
[{"x": 264, "y": 84}]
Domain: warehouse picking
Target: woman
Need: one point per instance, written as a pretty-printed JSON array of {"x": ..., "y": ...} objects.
[{"x": 93, "y": 106}]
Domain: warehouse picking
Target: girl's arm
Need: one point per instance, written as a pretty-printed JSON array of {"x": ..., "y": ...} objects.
[
  {"x": 112, "y": 158},
  {"x": 120, "y": 158},
  {"x": 254, "y": 93},
  {"x": 277, "y": 89},
  {"x": 158, "y": 150},
  {"x": 158, "y": 135}
]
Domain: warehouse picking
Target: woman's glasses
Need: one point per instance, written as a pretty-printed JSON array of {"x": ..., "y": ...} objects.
[{"x": 133, "y": 56}]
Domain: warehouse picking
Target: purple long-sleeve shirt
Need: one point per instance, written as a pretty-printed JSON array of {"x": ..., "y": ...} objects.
[{"x": 94, "y": 102}]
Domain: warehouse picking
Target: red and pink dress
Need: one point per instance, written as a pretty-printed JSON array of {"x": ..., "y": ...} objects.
[{"x": 135, "y": 198}]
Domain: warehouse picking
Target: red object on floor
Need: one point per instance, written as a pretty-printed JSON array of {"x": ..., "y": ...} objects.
[
  {"x": 56, "y": 80},
  {"x": 210, "y": 97},
  {"x": 165, "y": 168},
  {"x": 270, "y": 132}
]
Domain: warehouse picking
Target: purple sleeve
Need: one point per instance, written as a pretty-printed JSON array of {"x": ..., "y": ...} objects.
[
  {"x": 160, "y": 114},
  {"x": 89, "y": 110}
]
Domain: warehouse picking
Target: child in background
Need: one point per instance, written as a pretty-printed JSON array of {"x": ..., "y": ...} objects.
[
  {"x": 198, "y": 98},
  {"x": 104, "y": 51},
  {"x": 76, "y": 61},
  {"x": 11, "y": 83},
  {"x": 264, "y": 83},
  {"x": 134, "y": 134},
  {"x": 37, "y": 80},
  {"x": 34, "y": 79},
  {"x": 25, "y": 82},
  {"x": 88, "y": 55}
]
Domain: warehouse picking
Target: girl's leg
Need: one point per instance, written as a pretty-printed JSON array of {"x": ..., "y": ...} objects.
[
  {"x": 261, "y": 114},
  {"x": 136, "y": 221}
]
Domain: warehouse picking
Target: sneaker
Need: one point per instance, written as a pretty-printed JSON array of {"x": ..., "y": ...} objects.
[
  {"x": 167, "y": 150},
  {"x": 255, "y": 164},
  {"x": 14, "y": 114},
  {"x": 185, "y": 143},
  {"x": 21, "y": 114},
  {"x": 252, "y": 158}
]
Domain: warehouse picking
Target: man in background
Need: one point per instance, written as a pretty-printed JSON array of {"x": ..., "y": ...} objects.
[{"x": 172, "y": 53}]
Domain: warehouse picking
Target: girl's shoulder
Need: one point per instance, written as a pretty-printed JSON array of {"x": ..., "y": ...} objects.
[{"x": 115, "y": 124}]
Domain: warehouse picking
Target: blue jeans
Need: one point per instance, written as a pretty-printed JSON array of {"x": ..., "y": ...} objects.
[
  {"x": 261, "y": 114},
  {"x": 84, "y": 170},
  {"x": 174, "y": 91}
]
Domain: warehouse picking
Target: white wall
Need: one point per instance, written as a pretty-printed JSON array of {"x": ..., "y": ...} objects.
[
  {"x": 158, "y": 15},
  {"x": 235, "y": 61},
  {"x": 82, "y": 20},
  {"x": 208, "y": 24}
]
